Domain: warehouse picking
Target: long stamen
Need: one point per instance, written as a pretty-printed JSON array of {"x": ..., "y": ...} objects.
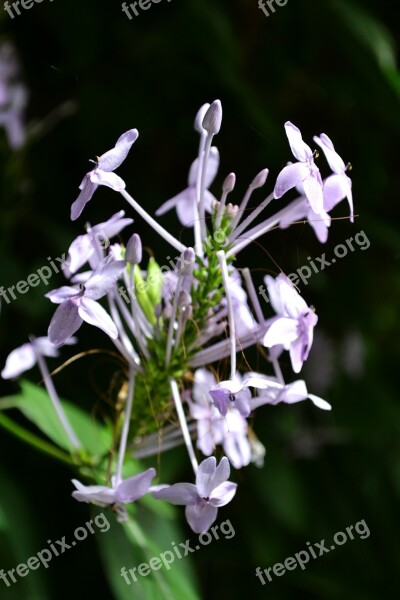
[
  {"x": 156, "y": 226},
  {"x": 257, "y": 182},
  {"x": 231, "y": 318},
  {"x": 262, "y": 228},
  {"x": 250, "y": 218},
  {"x": 184, "y": 426},
  {"x": 48, "y": 382},
  {"x": 253, "y": 295},
  {"x": 125, "y": 429}
]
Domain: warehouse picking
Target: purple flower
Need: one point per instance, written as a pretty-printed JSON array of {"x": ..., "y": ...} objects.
[
  {"x": 320, "y": 223},
  {"x": 290, "y": 394},
  {"x": 78, "y": 305},
  {"x": 88, "y": 247},
  {"x": 103, "y": 174},
  {"x": 337, "y": 186},
  {"x": 126, "y": 491},
  {"x": 214, "y": 429},
  {"x": 304, "y": 172},
  {"x": 236, "y": 393},
  {"x": 212, "y": 490},
  {"x": 294, "y": 325},
  {"x": 186, "y": 200},
  {"x": 24, "y": 358}
]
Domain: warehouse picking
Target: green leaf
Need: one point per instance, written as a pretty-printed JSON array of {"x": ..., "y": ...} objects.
[{"x": 36, "y": 406}]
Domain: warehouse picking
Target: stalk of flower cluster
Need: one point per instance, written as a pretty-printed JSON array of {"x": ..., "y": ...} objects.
[
  {"x": 262, "y": 228},
  {"x": 227, "y": 187},
  {"x": 48, "y": 382},
  {"x": 156, "y": 226},
  {"x": 231, "y": 316},
  {"x": 257, "y": 182},
  {"x": 253, "y": 295},
  {"x": 184, "y": 426},
  {"x": 125, "y": 428},
  {"x": 253, "y": 215}
]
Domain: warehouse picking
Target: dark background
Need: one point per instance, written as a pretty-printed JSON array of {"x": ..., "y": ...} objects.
[{"x": 327, "y": 66}]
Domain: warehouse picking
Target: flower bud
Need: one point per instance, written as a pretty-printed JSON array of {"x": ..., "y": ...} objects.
[
  {"x": 133, "y": 252},
  {"x": 229, "y": 183},
  {"x": 199, "y": 118},
  {"x": 260, "y": 179},
  {"x": 213, "y": 118}
]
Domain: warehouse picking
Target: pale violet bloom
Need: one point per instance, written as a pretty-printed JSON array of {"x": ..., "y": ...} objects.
[
  {"x": 24, "y": 358},
  {"x": 304, "y": 172},
  {"x": 12, "y": 115},
  {"x": 202, "y": 500},
  {"x": 337, "y": 186},
  {"x": 89, "y": 247},
  {"x": 103, "y": 174},
  {"x": 186, "y": 200},
  {"x": 128, "y": 490},
  {"x": 290, "y": 394},
  {"x": 294, "y": 325},
  {"x": 320, "y": 223},
  {"x": 78, "y": 305},
  {"x": 213, "y": 429},
  {"x": 236, "y": 393}
]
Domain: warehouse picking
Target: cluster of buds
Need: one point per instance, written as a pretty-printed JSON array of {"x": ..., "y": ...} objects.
[{"x": 178, "y": 330}]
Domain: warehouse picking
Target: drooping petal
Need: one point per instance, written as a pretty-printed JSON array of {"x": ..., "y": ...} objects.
[
  {"x": 221, "y": 399},
  {"x": 94, "y": 314},
  {"x": 314, "y": 192},
  {"x": 135, "y": 487},
  {"x": 65, "y": 322},
  {"x": 282, "y": 331},
  {"x": 223, "y": 494},
  {"x": 168, "y": 205},
  {"x": 79, "y": 253},
  {"x": 179, "y": 493},
  {"x": 109, "y": 179},
  {"x": 289, "y": 177},
  {"x": 337, "y": 188},
  {"x": 200, "y": 516},
  {"x": 294, "y": 392},
  {"x": 88, "y": 188},
  {"x": 296, "y": 352},
  {"x": 98, "y": 494},
  {"x": 238, "y": 450},
  {"x": 320, "y": 224},
  {"x": 111, "y": 160},
  {"x": 114, "y": 225},
  {"x": 319, "y": 402},
  {"x": 66, "y": 292},
  {"x": 18, "y": 361}
]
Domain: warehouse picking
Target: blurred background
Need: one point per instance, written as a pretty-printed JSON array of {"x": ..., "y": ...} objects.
[{"x": 328, "y": 66}]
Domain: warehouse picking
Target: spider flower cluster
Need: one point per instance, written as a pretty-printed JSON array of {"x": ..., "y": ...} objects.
[{"x": 173, "y": 324}]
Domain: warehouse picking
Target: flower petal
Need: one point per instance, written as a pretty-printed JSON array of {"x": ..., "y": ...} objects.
[
  {"x": 319, "y": 402},
  {"x": 94, "y": 314},
  {"x": 111, "y": 160},
  {"x": 179, "y": 493},
  {"x": 335, "y": 162},
  {"x": 111, "y": 180},
  {"x": 314, "y": 192},
  {"x": 88, "y": 188},
  {"x": 282, "y": 331},
  {"x": 18, "y": 361},
  {"x": 205, "y": 476},
  {"x": 65, "y": 322},
  {"x": 223, "y": 494},
  {"x": 66, "y": 292},
  {"x": 289, "y": 177},
  {"x": 135, "y": 487},
  {"x": 201, "y": 516},
  {"x": 98, "y": 494},
  {"x": 211, "y": 170},
  {"x": 298, "y": 147}
]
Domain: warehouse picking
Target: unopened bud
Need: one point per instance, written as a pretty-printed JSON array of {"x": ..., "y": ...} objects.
[
  {"x": 133, "y": 252},
  {"x": 229, "y": 183},
  {"x": 199, "y": 118},
  {"x": 213, "y": 118},
  {"x": 260, "y": 179}
]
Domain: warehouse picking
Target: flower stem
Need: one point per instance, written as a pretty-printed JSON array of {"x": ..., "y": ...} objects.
[
  {"x": 182, "y": 420},
  {"x": 125, "y": 429},
  {"x": 225, "y": 278},
  {"x": 160, "y": 230}
]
